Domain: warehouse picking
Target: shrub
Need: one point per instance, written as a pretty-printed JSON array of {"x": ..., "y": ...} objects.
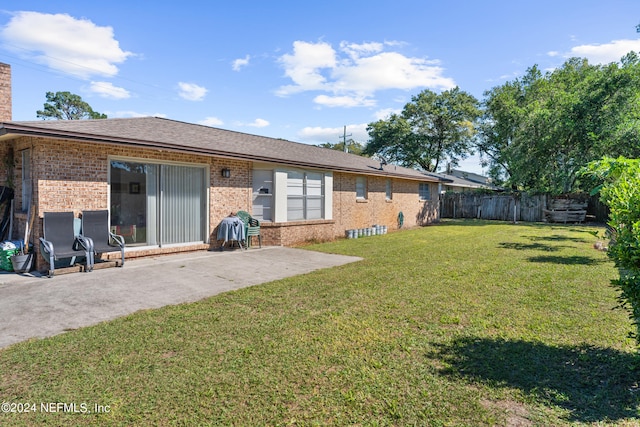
[{"x": 619, "y": 187}]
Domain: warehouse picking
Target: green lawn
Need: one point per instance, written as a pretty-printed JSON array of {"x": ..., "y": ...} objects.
[{"x": 462, "y": 323}]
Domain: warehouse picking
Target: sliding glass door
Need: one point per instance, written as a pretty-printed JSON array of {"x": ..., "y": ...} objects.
[
  {"x": 182, "y": 204},
  {"x": 157, "y": 204}
]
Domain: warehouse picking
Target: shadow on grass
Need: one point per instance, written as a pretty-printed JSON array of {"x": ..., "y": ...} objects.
[
  {"x": 558, "y": 238},
  {"x": 536, "y": 245},
  {"x": 567, "y": 260},
  {"x": 593, "y": 384},
  {"x": 531, "y": 246}
]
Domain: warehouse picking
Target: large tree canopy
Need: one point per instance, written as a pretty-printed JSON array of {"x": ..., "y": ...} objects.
[
  {"x": 432, "y": 128},
  {"x": 67, "y": 106},
  {"x": 538, "y": 131}
]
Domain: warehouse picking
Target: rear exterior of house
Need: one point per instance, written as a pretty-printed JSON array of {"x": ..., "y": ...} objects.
[{"x": 168, "y": 184}]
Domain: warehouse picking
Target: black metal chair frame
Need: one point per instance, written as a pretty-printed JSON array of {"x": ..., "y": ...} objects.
[
  {"x": 95, "y": 226},
  {"x": 59, "y": 240}
]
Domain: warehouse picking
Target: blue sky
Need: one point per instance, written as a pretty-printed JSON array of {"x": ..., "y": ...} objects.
[{"x": 298, "y": 70}]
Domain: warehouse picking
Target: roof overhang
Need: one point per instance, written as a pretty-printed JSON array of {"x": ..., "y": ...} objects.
[{"x": 12, "y": 130}]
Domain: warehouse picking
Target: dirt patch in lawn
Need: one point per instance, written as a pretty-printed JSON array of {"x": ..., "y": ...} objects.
[{"x": 516, "y": 413}]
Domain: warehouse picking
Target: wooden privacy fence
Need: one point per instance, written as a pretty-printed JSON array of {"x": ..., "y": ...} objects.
[{"x": 518, "y": 207}]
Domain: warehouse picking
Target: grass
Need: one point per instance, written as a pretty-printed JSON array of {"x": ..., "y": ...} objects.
[{"x": 463, "y": 323}]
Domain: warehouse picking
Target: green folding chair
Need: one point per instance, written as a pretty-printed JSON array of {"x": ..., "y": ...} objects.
[{"x": 251, "y": 227}]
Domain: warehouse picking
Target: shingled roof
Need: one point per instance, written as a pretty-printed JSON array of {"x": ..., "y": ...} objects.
[
  {"x": 463, "y": 182},
  {"x": 160, "y": 133}
]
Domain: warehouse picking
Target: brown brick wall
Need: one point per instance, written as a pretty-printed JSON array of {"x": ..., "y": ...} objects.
[
  {"x": 73, "y": 176},
  {"x": 5, "y": 93},
  {"x": 7, "y": 162},
  {"x": 292, "y": 233},
  {"x": 349, "y": 213}
]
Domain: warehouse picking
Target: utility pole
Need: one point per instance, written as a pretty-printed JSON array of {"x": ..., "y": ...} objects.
[{"x": 344, "y": 139}]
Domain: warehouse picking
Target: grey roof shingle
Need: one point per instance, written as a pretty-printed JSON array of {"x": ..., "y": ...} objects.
[
  {"x": 154, "y": 132},
  {"x": 458, "y": 181}
]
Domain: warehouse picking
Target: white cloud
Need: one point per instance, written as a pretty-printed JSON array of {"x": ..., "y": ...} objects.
[
  {"x": 386, "y": 113},
  {"x": 605, "y": 53},
  {"x": 191, "y": 91},
  {"x": 305, "y": 64},
  {"x": 108, "y": 90},
  {"x": 344, "y": 101},
  {"x": 240, "y": 63},
  {"x": 64, "y": 43},
  {"x": 354, "y": 74},
  {"x": 257, "y": 123},
  {"x": 355, "y": 50},
  {"x": 391, "y": 70},
  {"x": 211, "y": 121},
  {"x": 553, "y": 53}
]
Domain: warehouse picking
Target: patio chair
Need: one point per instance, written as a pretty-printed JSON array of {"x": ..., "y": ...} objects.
[
  {"x": 59, "y": 240},
  {"x": 95, "y": 226},
  {"x": 251, "y": 227}
]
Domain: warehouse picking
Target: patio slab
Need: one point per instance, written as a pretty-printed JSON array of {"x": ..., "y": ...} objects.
[{"x": 32, "y": 306}]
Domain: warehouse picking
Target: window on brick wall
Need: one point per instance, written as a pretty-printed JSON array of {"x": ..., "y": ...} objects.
[
  {"x": 424, "y": 191},
  {"x": 26, "y": 179},
  {"x": 305, "y": 195},
  {"x": 263, "y": 194},
  {"x": 361, "y": 187},
  {"x": 387, "y": 192}
]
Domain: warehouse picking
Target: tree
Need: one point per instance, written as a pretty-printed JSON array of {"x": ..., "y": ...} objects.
[
  {"x": 353, "y": 147},
  {"x": 67, "y": 106},
  {"x": 539, "y": 131},
  {"x": 502, "y": 119},
  {"x": 430, "y": 130}
]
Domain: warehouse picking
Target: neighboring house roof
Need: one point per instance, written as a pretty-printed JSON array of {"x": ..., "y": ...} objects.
[
  {"x": 473, "y": 177},
  {"x": 478, "y": 181},
  {"x": 160, "y": 133}
]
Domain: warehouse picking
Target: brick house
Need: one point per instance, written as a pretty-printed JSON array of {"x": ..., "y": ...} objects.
[{"x": 168, "y": 184}]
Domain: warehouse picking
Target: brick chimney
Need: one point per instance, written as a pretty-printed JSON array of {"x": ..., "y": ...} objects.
[{"x": 5, "y": 92}]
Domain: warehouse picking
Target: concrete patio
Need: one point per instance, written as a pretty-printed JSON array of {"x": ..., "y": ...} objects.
[{"x": 33, "y": 306}]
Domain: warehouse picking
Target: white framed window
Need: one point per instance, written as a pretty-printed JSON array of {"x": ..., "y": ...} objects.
[
  {"x": 424, "y": 191},
  {"x": 387, "y": 191},
  {"x": 26, "y": 179},
  {"x": 263, "y": 194},
  {"x": 305, "y": 195},
  {"x": 361, "y": 187}
]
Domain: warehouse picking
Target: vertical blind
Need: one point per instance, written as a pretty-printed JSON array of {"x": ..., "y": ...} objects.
[
  {"x": 166, "y": 203},
  {"x": 181, "y": 204}
]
